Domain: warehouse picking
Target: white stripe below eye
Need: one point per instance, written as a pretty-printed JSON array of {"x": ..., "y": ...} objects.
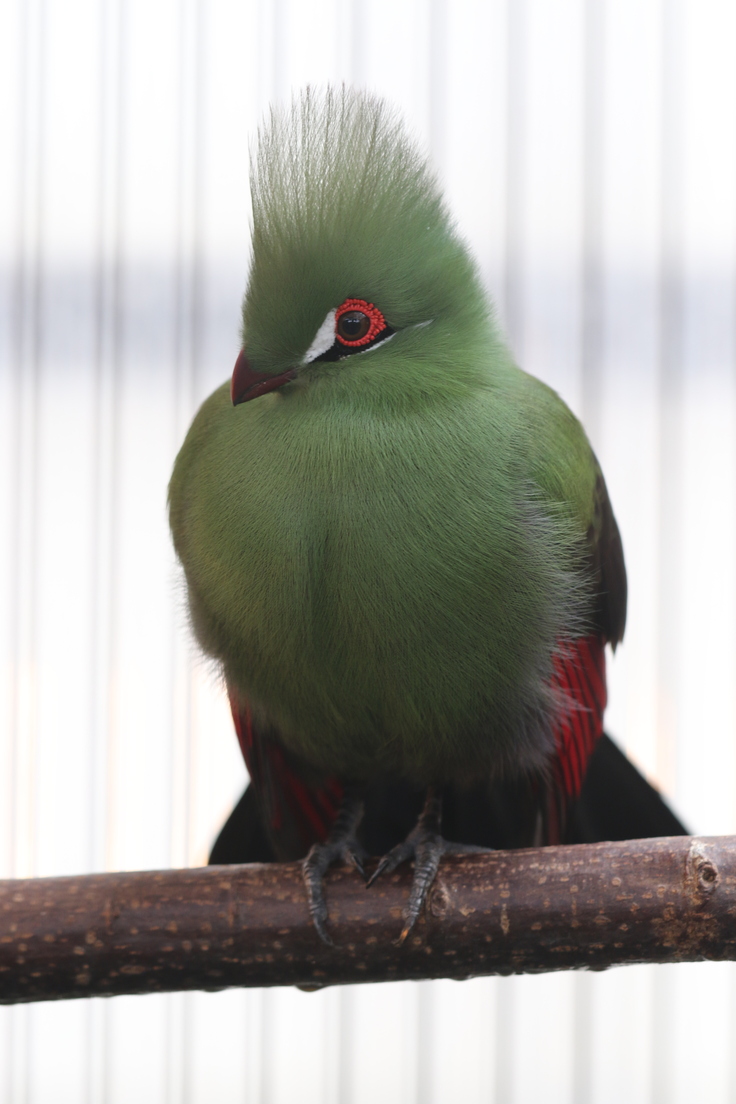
[
  {"x": 370, "y": 348},
  {"x": 380, "y": 344},
  {"x": 324, "y": 339}
]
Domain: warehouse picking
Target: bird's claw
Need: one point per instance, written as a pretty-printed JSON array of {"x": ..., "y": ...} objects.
[
  {"x": 426, "y": 845},
  {"x": 340, "y": 846}
]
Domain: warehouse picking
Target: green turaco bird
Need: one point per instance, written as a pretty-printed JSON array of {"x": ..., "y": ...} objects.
[{"x": 398, "y": 546}]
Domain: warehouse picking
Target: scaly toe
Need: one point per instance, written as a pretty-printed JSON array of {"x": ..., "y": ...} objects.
[
  {"x": 320, "y": 858},
  {"x": 429, "y": 851},
  {"x": 314, "y": 867}
]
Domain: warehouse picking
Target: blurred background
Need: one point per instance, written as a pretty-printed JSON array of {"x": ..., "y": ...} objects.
[{"x": 588, "y": 150}]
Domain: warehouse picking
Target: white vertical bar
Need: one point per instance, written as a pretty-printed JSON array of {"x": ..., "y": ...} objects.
[
  {"x": 384, "y": 1044},
  {"x": 474, "y": 141},
  {"x": 306, "y": 38},
  {"x": 66, "y": 426},
  {"x": 544, "y": 1016},
  {"x": 709, "y": 453},
  {"x": 554, "y": 195},
  {"x": 219, "y": 1042},
  {"x": 142, "y": 679},
  {"x": 192, "y": 27},
  {"x": 593, "y": 147},
  {"x": 12, "y": 195},
  {"x": 670, "y": 519},
  {"x": 104, "y": 720},
  {"x": 512, "y": 303},
  {"x": 621, "y": 1036},
  {"x": 629, "y": 415},
  {"x": 708, "y": 639},
  {"x": 137, "y": 1057},
  {"x": 298, "y": 1048},
  {"x": 461, "y": 1061},
  {"x": 23, "y": 610},
  {"x": 232, "y": 109},
  {"x": 396, "y": 59},
  {"x": 670, "y": 583},
  {"x": 23, "y": 597}
]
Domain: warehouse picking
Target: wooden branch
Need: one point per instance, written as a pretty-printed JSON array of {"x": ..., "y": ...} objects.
[{"x": 502, "y": 912}]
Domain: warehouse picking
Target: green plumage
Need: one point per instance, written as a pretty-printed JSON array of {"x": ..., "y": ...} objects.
[{"x": 384, "y": 553}]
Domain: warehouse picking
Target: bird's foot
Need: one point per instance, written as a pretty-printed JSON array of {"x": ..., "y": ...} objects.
[
  {"x": 426, "y": 846},
  {"x": 340, "y": 846}
]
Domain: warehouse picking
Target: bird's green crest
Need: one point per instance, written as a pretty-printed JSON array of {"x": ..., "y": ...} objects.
[{"x": 345, "y": 205}]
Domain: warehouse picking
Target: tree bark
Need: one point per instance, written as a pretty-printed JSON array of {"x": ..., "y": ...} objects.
[{"x": 502, "y": 912}]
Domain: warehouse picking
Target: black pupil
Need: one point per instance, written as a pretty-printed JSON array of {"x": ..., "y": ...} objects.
[{"x": 352, "y": 325}]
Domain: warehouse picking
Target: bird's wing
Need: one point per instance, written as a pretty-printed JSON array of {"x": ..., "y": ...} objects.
[
  {"x": 607, "y": 555},
  {"x": 297, "y": 807},
  {"x": 580, "y": 667},
  {"x": 579, "y": 680}
]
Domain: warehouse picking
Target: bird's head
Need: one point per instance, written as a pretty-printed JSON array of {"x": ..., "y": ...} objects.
[{"x": 353, "y": 253}]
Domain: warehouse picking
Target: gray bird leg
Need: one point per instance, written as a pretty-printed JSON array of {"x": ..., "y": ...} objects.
[
  {"x": 426, "y": 846},
  {"x": 341, "y": 845}
]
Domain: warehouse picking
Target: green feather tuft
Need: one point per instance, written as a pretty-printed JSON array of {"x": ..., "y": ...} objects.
[{"x": 344, "y": 205}]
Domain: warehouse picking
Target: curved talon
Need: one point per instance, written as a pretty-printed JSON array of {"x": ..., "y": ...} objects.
[
  {"x": 393, "y": 858},
  {"x": 357, "y": 856}
]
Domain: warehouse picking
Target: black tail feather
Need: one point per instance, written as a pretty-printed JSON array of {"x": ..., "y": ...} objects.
[{"x": 617, "y": 803}]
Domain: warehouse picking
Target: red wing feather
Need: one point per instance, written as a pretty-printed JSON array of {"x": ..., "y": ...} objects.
[{"x": 580, "y": 679}]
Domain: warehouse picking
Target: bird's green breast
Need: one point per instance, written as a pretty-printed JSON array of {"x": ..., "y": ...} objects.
[{"x": 386, "y": 590}]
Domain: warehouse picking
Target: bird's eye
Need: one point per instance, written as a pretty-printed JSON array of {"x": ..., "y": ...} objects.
[
  {"x": 353, "y": 325},
  {"x": 358, "y": 323}
]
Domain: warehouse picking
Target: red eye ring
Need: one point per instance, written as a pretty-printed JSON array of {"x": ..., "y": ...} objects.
[{"x": 377, "y": 321}]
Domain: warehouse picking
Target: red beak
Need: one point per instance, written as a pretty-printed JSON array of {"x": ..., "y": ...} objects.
[{"x": 248, "y": 384}]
